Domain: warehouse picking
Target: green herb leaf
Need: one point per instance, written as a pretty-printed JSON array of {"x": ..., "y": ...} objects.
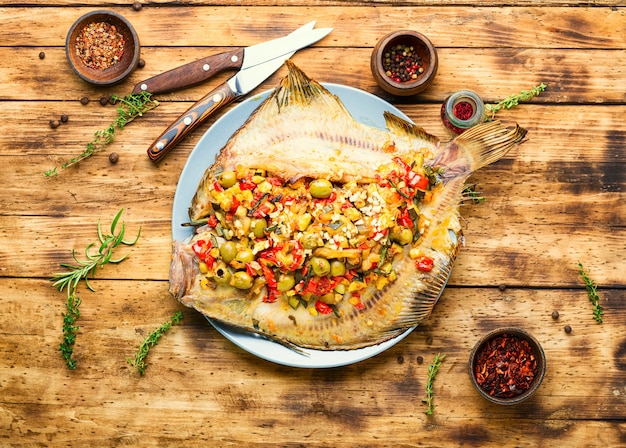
[
  {"x": 513, "y": 100},
  {"x": 83, "y": 270},
  {"x": 139, "y": 363},
  {"x": 432, "y": 372},
  {"x": 592, "y": 293},
  {"x": 131, "y": 107}
]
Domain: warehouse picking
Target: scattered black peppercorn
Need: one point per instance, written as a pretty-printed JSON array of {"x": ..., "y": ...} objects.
[
  {"x": 64, "y": 118},
  {"x": 42, "y": 55},
  {"x": 555, "y": 315},
  {"x": 420, "y": 360},
  {"x": 112, "y": 100},
  {"x": 568, "y": 329},
  {"x": 501, "y": 287},
  {"x": 400, "y": 359},
  {"x": 113, "y": 157},
  {"x": 141, "y": 63},
  {"x": 84, "y": 101},
  {"x": 429, "y": 340},
  {"x": 137, "y": 6},
  {"x": 54, "y": 124},
  {"x": 104, "y": 101}
]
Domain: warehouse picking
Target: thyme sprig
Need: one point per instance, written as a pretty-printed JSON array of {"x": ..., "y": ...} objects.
[
  {"x": 83, "y": 270},
  {"x": 131, "y": 107},
  {"x": 432, "y": 372},
  {"x": 513, "y": 100},
  {"x": 139, "y": 363},
  {"x": 592, "y": 293}
]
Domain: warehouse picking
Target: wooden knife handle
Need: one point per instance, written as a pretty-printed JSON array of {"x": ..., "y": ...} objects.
[
  {"x": 196, "y": 114},
  {"x": 192, "y": 73}
]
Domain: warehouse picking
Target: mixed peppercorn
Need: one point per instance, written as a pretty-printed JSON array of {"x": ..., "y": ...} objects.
[
  {"x": 402, "y": 63},
  {"x": 313, "y": 242}
]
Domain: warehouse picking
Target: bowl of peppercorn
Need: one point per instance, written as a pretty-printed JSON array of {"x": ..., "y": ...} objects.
[
  {"x": 102, "y": 48},
  {"x": 507, "y": 366},
  {"x": 404, "y": 63}
]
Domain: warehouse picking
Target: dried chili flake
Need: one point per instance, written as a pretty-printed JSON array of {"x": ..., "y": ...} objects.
[
  {"x": 99, "y": 45},
  {"x": 463, "y": 110},
  {"x": 506, "y": 366}
]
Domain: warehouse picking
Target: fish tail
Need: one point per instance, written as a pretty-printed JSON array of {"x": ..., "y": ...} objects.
[{"x": 478, "y": 147}]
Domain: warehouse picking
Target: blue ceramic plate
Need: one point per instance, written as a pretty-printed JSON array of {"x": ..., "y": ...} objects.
[{"x": 364, "y": 107}]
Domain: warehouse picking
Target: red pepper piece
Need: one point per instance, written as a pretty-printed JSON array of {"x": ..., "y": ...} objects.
[
  {"x": 262, "y": 210},
  {"x": 217, "y": 186},
  {"x": 245, "y": 184},
  {"x": 323, "y": 308},
  {"x": 424, "y": 264},
  {"x": 405, "y": 219},
  {"x": 269, "y": 276},
  {"x": 212, "y": 221},
  {"x": 298, "y": 256}
]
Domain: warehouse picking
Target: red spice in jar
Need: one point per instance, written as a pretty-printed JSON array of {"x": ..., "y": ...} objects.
[
  {"x": 463, "y": 110},
  {"x": 506, "y": 366},
  {"x": 99, "y": 45},
  {"x": 402, "y": 63}
]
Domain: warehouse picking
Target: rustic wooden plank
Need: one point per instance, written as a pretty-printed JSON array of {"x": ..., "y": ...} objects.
[
  {"x": 500, "y": 72},
  {"x": 195, "y": 371},
  {"x": 354, "y": 26}
]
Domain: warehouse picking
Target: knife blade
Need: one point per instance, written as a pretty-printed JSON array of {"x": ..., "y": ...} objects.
[
  {"x": 240, "y": 84},
  {"x": 196, "y": 72}
]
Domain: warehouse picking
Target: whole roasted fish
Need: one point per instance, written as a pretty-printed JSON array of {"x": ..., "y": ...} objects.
[{"x": 321, "y": 232}]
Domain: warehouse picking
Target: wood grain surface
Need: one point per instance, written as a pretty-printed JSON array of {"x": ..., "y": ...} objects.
[{"x": 557, "y": 200}]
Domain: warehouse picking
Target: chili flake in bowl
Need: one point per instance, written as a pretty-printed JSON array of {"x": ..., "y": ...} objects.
[
  {"x": 102, "y": 48},
  {"x": 404, "y": 63},
  {"x": 507, "y": 366}
]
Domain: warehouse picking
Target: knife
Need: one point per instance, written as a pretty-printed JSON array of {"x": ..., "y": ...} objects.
[
  {"x": 242, "y": 83},
  {"x": 196, "y": 72}
]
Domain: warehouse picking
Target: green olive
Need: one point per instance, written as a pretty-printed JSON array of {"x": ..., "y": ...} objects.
[
  {"x": 386, "y": 268},
  {"x": 228, "y": 179},
  {"x": 222, "y": 274},
  {"x": 321, "y": 266},
  {"x": 285, "y": 282},
  {"x": 244, "y": 256},
  {"x": 241, "y": 280},
  {"x": 402, "y": 235},
  {"x": 337, "y": 268},
  {"x": 228, "y": 251},
  {"x": 310, "y": 240},
  {"x": 258, "y": 226},
  {"x": 320, "y": 188}
]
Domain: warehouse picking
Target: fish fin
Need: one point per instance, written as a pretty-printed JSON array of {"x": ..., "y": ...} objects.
[
  {"x": 476, "y": 148},
  {"x": 183, "y": 271},
  {"x": 297, "y": 89},
  {"x": 400, "y": 126},
  {"x": 419, "y": 307}
]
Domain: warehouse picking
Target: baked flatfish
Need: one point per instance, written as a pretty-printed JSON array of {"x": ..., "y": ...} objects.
[{"x": 321, "y": 232}]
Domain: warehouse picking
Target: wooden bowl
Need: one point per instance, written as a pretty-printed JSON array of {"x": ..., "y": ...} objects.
[
  {"x": 422, "y": 48},
  {"x": 109, "y": 73},
  {"x": 512, "y": 395}
]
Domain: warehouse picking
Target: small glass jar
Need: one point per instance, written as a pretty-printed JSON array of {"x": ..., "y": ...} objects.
[{"x": 462, "y": 110}]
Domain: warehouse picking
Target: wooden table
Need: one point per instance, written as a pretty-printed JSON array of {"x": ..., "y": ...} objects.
[{"x": 557, "y": 200}]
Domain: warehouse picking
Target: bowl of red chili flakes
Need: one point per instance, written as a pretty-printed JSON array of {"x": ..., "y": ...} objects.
[
  {"x": 102, "y": 48},
  {"x": 507, "y": 366}
]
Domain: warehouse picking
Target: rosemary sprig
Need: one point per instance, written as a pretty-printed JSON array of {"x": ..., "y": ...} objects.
[
  {"x": 592, "y": 287},
  {"x": 470, "y": 193},
  {"x": 70, "y": 330},
  {"x": 513, "y": 100},
  {"x": 131, "y": 107},
  {"x": 139, "y": 363},
  {"x": 432, "y": 372},
  {"x": 83, "y": 270}
]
